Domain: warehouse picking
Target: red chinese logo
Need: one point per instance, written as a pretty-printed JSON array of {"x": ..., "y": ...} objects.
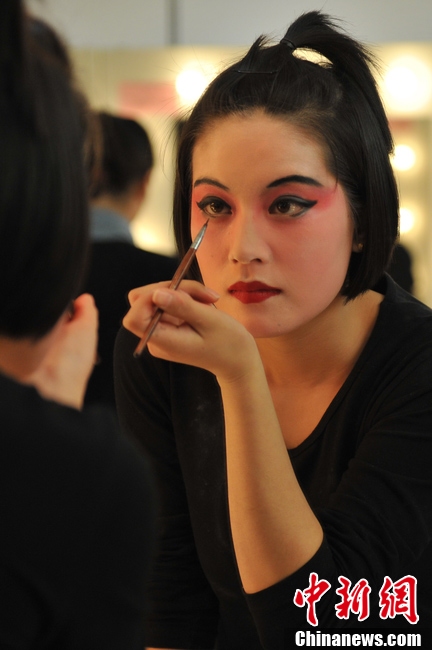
[
  {"x": 356, "y": 600},
  {"x": 399, "y": 597},
  {"x": 395, "y": 598},
  {"x": 311, "y": 595}
]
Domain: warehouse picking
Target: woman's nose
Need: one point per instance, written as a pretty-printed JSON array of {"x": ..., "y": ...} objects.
[{"x": 247, "y": 242}]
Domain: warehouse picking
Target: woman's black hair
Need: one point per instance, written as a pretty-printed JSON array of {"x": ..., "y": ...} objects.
[
  {"x": 126, "y": 158},
  {"x": 336, "y": 101},
  {"x": 43, "y": 187}
]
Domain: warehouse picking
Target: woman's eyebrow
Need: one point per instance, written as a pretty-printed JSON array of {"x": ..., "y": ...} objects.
[
  {"x": 209, "y": 181},
  {"x": 295, "y": 178}
]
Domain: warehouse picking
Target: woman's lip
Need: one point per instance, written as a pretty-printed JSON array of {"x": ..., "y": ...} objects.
[
  {"x": 254, "y": 285},
  {"x": 250, "y": 292}
]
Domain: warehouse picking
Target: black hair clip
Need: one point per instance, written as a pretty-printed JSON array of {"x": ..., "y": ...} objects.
[
  {"x": 242, "y": 71},
  {"x": 288, "y": 43}
]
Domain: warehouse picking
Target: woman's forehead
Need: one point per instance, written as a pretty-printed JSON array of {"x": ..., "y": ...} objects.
[{"x": 249, "y": 143}]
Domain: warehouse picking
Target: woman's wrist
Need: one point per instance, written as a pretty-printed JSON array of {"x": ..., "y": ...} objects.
[{"x": 246, "y": 368}]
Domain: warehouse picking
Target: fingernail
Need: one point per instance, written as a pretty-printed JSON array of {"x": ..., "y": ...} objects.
[
  {"x": 162, "y": 298},
  {"x": 212, "y": 293}
]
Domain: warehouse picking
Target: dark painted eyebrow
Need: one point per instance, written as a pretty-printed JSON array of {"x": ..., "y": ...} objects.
[
  {"x": 295, "y": 178},
  {"x": 209, "y": 181}
]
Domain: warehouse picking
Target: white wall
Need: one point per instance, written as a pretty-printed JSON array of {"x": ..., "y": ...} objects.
[{"x": 146, "y": 23}]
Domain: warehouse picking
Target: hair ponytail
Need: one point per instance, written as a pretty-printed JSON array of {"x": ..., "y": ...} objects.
[{"x": 350, "y": 60}]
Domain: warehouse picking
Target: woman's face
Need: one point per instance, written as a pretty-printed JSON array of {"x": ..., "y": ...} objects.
[{"x": 280, "y": 235}]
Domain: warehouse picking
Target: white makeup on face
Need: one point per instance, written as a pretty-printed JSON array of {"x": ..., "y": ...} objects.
[{"x": 280, "y": 234}]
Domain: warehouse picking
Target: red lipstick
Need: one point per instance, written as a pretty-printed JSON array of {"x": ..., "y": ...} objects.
[{"x": 249, "y": 292}]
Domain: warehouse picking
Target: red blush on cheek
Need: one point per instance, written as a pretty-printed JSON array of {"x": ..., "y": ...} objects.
[{"x": 333, "y": 198}]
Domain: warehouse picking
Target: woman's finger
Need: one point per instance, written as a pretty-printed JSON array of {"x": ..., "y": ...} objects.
[
  {"x": 143, "y": 304},
  {"x": 144, "y": 292},
  {"x": 183, "y": 306},
  {"x": 195, "y": 289}
]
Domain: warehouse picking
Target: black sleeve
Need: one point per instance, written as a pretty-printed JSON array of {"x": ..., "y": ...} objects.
[{"x": 184, "y": 610}]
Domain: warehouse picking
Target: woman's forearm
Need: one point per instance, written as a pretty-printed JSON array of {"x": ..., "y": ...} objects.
[{"x": 274, "y": 530}]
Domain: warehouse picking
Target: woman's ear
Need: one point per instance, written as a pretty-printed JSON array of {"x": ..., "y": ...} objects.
[{"x": 358, "y": 242}]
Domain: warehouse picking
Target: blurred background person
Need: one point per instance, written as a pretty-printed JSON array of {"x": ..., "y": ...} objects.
[
  {"x": 121, "y": 176},
  {"x": 76, "y": 501},
  {"x": 401, "y": 268}
]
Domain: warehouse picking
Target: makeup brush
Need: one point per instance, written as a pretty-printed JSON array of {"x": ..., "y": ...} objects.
[{"x": 177, "y": 278}]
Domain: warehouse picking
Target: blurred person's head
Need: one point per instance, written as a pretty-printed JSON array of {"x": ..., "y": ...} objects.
[
  {"x": 43, "y": 186},
  {"x": 51, "y": 47},
  {"x": 125, "y": 164}
]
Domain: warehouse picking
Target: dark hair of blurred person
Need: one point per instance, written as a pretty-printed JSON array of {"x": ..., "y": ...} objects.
[
  {"x": 51, "y": 47},
  {"x": 43, "y": 202},
  {"x": 50, "y": 43},
  {"x": 127, "y": 157},
  {"x": 75, "y": 498}
]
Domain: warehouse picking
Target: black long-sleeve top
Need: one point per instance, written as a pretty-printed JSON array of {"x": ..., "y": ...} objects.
[{"x": 365, "y": 470}]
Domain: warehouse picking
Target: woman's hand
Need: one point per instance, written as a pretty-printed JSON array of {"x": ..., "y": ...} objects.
[
  {"x": 63, "y": 374},
  {"x": 191, "y": 330}
]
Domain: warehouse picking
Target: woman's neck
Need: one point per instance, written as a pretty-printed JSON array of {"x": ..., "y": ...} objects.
[{"x": 324, "y": 349}]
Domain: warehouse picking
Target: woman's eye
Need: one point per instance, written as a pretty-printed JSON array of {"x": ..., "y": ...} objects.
[
  {"x": 292, "y": 207},
  {"x": 213, "y": 207}
]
